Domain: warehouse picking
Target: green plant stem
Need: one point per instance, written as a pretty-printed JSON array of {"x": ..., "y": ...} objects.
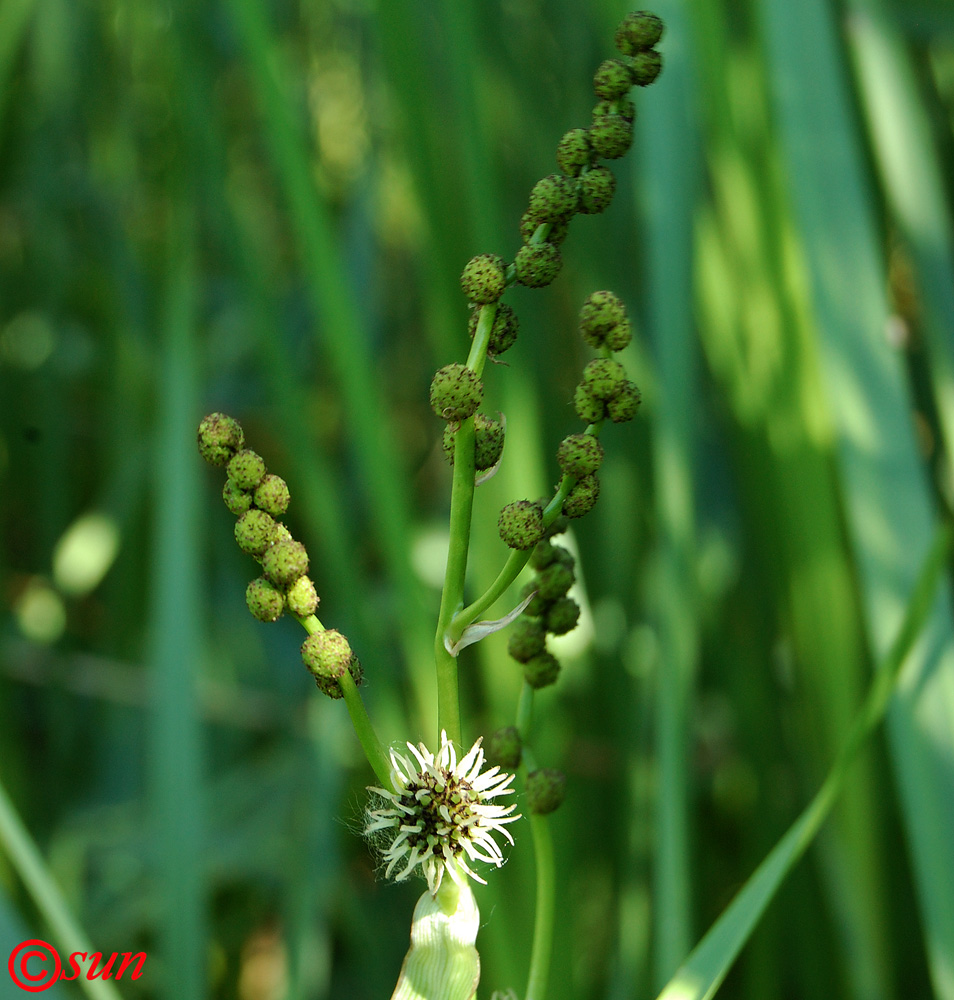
[
  {"x": 525, "y": 711},
  {"x": 543, "y": 922},
  {"x": 462, "y": 506},
  {"x": 29, "y": 865},
  {"x": 370, "y": 743}
]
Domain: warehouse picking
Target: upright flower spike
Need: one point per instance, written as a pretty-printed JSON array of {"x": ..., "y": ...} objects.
[{"x": 440, "y": 816}]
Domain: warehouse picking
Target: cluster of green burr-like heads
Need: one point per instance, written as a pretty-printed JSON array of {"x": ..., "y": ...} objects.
[{"x": 259, "y": 499}]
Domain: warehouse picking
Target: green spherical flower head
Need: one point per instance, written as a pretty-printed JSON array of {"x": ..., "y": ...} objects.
[
  {"x": 272, "y": 496},
  {"x": 527, "y": 639},
  {"x": 505, "y": 748},
  {"x": 597, "y": 187},
  {"x": 588, "y": 408},
  {"x": 553, "y": 197},
  {"x": 601, "y": 311},
  {"x": 246, "y": 470},
  {"x": 543, "y": 554},
  {"x": 638, "y": 31},
  {"x": 284, "y": 562},
  {"x": 556, "y": 232},
  {"x": 646, "y": 66},
  {"x": 573, "y": 152},
  {"x": 537, "y": 264},
  {"x": 541, "y": 671},
  {"x": 238, "y": 501},
  {"x": 255, "y": 531},
  {"x": 579, "y": 455},
  {"x": 521, "y": 524},
  {"x": 328, "y": 655},
  {"x": 619, "y": 336},
  {"x": 562, "y": 616},
  {"x": 612, "y": 80},
  {"x": 623, "y": 407},
  {"x": 503, "y": 333},
  {"x": 604, "y": 378},
  {"x": 484, "y": 278},
  {"x": 557, "y": 526},
  {"x": 264, "y": 600},
  {"x": 626, "y": 109},
  {"x": 301, "y": 597},
  {"x": 537, "y": 606},
  {"x": 611, "y": 136},
  {"x": 546, "y": 790},
  {"x": 554, "y": 581},
  {"x": 456, "y": 392},
  {"x": 562, "y": 555},
  {"x": 220, "y": 437},
  {"x": 489, "y": 442},
  {"x": 582, "y": 498}
]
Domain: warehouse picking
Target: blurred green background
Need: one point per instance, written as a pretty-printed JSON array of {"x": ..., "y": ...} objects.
[{"x": 263, "y": 208}]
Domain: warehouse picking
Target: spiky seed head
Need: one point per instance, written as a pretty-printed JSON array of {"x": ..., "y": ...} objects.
[
  {"x": 646, "y": 67},
  {"x": 527, "y": 639},
  {"x": 488, "y": 442},
  {"x": 604, "y": 378},
  {"x": 238, "y": 501},
  {"x": 619, "y": 336},
  {"x": 521, "y": 524},
  {"x": 255, "y": 531},
  {"x": 638, "y": 31},
  {"x": 284, "y": 562},
  {"x": 555, "y": 234},
  {"x": 612, "y": 80},
  {"x": 536, "y": 606},
  {"x": 582, "y": 498},
  {"x": 562, "y": 616},
  {"x": 537, "y": 264},
  {"x": 456, "y": 392},
  {"x": 611, "y": 136},
  {"x": 264, "y": 600},
  {"x": 564, "y": 556},
  {"x": 554, "y": 581},
  {"x": 484, "y": 278},
  {"x": 623, "y": 406},
  {"x": 557, "y": 526},
  {"x": 246, "y": 469},
  {"x": 579, "y": 455},
  {"x": 626, "y": 109},
  {"x": 503, "y": 332},
  {"x": 302, "y": 598},
  {"x": 328, "y": 655},
  {"x": 600, "y": 312},
  {"x": 546, "y": 790},
  {"x": 272, "y": 495},
  {"x": 542, "y": 555},
  {"x": 219, "y": 438},
  {"x": 505, "y": 748},
  {"x": 573, "y": 151},
  {"x": 588, "y": 408},
  {"x": 541, "y": 671},
  {"x": 597, "y": 187},
  {"x": 553, "y": 197}
]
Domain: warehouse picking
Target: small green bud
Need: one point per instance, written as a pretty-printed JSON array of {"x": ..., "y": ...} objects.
[
  {"x": 611, "y": 136},
  {"x": 284, "y": 562},
  {"x": 541, "y": 671},
  {"x": 255, "y": 531},
  {"x": 638, "y": 31},
  {"x": 302, "y": 598},
  {"x": 264, "y": 600},
  {"x": 604, "y": 378},
  {"x": 484, "y": 278},
  {"x": 246, "y": 470},
  {"x": 521, "y": 524},
  {"x": 626, "y": 109},
  {"x": 282, "y": 534},
  {"x": 328, "y": 655},
  {"x": 612, "y": 80},
  {"x": 527, "y": 639},
  {"x": 219, "y": 438},
  {"x": 537, "y": 606},
  {"x": 579, "y": 455},
  {"x": 623, "y": 406},
  {"x": 573, "y": 152},
  {"x": 619, "y": 336},
  {"x": 505, "y": 748},
  {"x": 597, "y": 187},
  {"x": 537, "y": 264},
  {"x": 601, "y": 311},
  {"x": 564, "y": 556},
  {"x": 646, "y": 67},
  {"x": 488, "y": 442},
  {"x": 588, "y": 408},
  {"x": 238, "y": 501},
  {"x": 553, "y": 197},
  {"x": 556, "y": 234},
  {"x": 272, "y": 496},
  {"x": 542, "y": 555},
  {"x": 562, "y": 616},
  {"x": 456, "y": 392},
  {"x": 554, "y": 581},
  {"x": 546, "y": 790},
  {"x": 582, "y": 498},
  {"x": 503, "y": 333}
]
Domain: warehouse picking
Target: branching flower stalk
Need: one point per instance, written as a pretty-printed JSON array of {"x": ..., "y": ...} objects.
[{"x": 440, "y": 813}]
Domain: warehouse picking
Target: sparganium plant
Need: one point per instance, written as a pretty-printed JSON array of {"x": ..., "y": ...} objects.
[{"x": 442, "y": 813}]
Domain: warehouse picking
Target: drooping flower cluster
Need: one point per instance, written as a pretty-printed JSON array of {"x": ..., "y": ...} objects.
[{"x": 441, "y": 814}]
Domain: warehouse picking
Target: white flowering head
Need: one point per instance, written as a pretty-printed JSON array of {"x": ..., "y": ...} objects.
[{"x": 441, "y": 815}]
